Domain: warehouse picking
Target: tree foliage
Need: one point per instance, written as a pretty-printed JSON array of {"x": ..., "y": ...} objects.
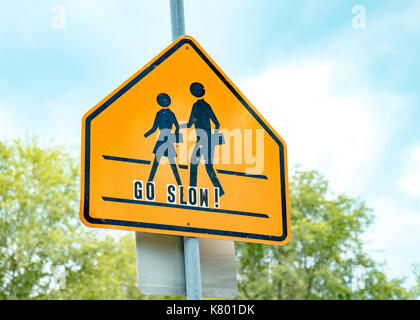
[
  {"x": 46, "y": 252},
  {"x": 325, "y": 258}
]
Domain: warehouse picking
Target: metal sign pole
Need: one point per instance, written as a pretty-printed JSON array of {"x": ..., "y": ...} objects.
[
  {"x": 191, "y": 245},
  {"x": 192, "y": 268},
  {"x": 177, "y": 19}
]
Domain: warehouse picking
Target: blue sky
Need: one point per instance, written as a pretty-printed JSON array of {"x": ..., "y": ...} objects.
[{"x": 346, "y": 100}]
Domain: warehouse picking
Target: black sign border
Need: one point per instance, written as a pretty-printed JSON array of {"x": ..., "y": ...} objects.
[{"x": 128, "y": 86}]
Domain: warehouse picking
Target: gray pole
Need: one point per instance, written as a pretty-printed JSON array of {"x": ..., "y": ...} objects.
[
  {"x": 177, "y": 18},
  {"x": 191, "y": 245},
  {"x": 192, "y": 268}
]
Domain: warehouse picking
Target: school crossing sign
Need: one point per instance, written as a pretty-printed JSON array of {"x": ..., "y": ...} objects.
[{"x": 178, "y": 149}]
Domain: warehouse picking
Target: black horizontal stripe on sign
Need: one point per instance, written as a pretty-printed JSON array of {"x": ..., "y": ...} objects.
[
  {"x": 127, "y": 160},
  {"x": 185, "y": 167},
  {"x": 169, "y": 205},
  {"x": 242, "y": 174}
]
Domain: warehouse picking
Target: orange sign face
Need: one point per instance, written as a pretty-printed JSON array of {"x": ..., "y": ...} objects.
[{"x": 177, "y": 149}]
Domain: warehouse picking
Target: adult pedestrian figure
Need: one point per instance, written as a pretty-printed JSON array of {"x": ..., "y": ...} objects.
[
  {"x": 164, "y": 121},
  {"x": 201, "y": 115}
]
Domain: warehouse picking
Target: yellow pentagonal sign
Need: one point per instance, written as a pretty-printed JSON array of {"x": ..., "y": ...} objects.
[{"x": 178, "y": 149}]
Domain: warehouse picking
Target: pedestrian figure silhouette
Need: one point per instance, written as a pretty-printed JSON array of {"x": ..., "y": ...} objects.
[
  {"x": 164, "y": 121},
  {"x": 201, "y": 115}
]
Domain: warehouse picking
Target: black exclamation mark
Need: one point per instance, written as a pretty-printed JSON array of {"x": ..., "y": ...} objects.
[{"x": 216, "y": 198}]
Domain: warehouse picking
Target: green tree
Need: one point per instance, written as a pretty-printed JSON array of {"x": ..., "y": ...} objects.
[
  {"x": 325, "y": 258},
  {"x": 416, "y": 287},
  {"x": 45, "y": 251}
]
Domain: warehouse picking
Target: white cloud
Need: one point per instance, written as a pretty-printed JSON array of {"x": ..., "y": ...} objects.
[
  {"x": 9, "y": 124},
  {"x": 337, "y": 134},
  {"x": 409, "y": 183},
  {"x": 394, "y": 236},
  {"x": 347, "y": 137}
]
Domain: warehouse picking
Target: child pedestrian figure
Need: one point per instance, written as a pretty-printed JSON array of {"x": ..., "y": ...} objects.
[{"x": 164, "y": 121}]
